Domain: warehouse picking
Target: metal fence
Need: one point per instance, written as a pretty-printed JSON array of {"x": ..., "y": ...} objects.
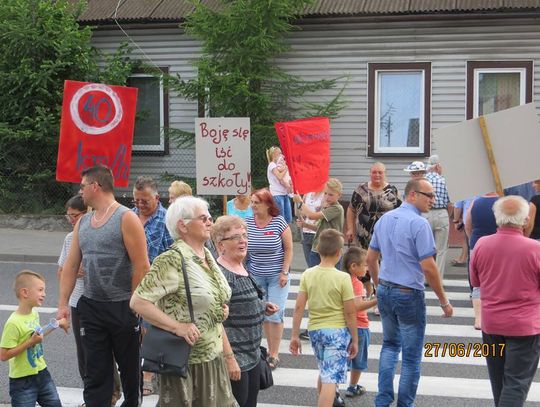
[{"x": 22, "y": 192}]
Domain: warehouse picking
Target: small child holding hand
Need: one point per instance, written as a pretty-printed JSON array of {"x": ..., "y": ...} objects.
[{"x": 354, "y": 263}]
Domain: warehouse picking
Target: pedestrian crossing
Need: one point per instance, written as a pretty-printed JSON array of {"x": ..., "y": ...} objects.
[{"x": 447, "y": 380}]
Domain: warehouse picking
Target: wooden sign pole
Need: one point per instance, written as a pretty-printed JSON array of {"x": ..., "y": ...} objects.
[
  {"x": 225, "y": 205},
  {"x": 491, "y": 156}
]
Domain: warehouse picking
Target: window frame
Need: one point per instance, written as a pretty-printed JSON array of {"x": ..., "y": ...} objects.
[
  {"x": 163, "y": 147},
  {"x": 374, "y": 150},
  {"x": 474, "y": 68}
]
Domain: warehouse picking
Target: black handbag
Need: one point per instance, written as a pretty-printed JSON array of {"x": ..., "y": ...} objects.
[
  {"x": 267, "y": 379},
  {"x": 164, "y": 352}
]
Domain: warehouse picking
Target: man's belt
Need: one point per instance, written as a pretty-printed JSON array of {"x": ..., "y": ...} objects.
[{"x": 389, "y": 284}]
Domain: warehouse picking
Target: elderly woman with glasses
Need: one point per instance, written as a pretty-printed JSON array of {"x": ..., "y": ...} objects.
[
  {"x": 246, "y": 310},
  {"x": 161, "y": 300}
]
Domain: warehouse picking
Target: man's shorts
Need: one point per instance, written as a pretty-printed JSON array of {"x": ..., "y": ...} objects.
[
  {"x": 361, "y": 358},
  {"x": 330, "y": 348}
]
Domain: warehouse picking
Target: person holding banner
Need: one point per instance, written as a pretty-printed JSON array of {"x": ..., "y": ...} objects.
[
  {"x": 279, "y": 181},
  {"x": 314, "y": 202},
  {"x": 331, "y": 215},
  {"x": 270, "y": 250}
]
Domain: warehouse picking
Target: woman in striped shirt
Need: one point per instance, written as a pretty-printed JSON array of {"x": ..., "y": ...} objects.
[{"x": 269, "y": 259}]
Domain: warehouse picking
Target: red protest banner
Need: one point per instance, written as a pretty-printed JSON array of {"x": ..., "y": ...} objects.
[
  {"x": 306, "y": 146},
  {"x": 96, "y": 128}
]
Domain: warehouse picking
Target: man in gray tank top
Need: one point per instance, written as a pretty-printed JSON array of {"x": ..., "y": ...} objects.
[{"x": 111, "y": 245}]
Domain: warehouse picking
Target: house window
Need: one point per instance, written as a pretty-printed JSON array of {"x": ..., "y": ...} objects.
[
  {"x": 399, "y": 103},
  {"x": 493, "y": 86},
  {"x": 152, "y": 113}
]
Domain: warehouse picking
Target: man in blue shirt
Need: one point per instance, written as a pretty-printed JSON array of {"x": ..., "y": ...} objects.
[
  {"x": 405, "y": 241},
  {"x": 152, "y": 215}
]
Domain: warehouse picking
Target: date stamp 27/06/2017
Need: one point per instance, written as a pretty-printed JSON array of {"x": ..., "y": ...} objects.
[{"x": 462, "y": 349}]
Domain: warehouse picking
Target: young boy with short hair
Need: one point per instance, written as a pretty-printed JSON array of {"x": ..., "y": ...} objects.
[
  {"x": 29, "y": 379},
  {"x": 331, "y": 216},
  {"x": 332, "y": 317},
  {"x": 354, "y": 263}
]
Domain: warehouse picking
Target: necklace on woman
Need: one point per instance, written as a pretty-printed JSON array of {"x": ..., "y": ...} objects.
[
  {"x": 236, "y": 269},
  {"x": 96, "y": 220}
]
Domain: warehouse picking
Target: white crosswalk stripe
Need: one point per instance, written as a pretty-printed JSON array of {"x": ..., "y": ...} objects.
[
  {"x": 430, "y": 295},
  {"x": 449, "y": 384}
]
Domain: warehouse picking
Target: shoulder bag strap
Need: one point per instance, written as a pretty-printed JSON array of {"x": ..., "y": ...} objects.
[{"x": 186, "y": 285}]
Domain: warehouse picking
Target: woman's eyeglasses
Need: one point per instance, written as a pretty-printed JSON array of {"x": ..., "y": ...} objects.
[
  {"x": 204, "y": 218},
  {"x": 238, "y": 237}
]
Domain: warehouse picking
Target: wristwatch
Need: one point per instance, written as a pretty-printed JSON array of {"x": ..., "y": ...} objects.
[{"x": 285, "y": 273}]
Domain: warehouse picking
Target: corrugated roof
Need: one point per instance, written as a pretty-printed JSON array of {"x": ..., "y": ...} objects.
[{"x": 176, "y": 10}]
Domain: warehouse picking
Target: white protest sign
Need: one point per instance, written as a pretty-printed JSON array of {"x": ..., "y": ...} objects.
[
  {"x": 223, "y": 156},
  {"x": 515, "y": 138}
]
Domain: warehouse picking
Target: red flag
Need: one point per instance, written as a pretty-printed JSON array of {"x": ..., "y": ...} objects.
[
  {"x": 306, "y": 146},
  {"x": 96, "y": 128}
]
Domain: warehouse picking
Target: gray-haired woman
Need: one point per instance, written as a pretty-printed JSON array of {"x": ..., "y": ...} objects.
[
  {"x": 246, "y": 313},
  {"x": 161, "y": 300}
]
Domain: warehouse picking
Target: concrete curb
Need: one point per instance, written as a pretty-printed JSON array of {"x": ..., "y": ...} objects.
[{"x": 28, "y": 258}]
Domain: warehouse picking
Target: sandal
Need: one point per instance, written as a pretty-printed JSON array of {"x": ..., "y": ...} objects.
[
  {"x": 457, "y": 263},
  {"x": 272, "y": 362},
  {"x": 147, "y": 388}
]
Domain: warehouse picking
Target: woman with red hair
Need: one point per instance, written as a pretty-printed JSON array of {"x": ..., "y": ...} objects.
[{"x": 270, "y": 250}]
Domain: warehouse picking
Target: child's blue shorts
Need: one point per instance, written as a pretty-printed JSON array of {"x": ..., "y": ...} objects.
[
  {"x": 330, "y": 348},
  {"x": 360, "y": 361}
]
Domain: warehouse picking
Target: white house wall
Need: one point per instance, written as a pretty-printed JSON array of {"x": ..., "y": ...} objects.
[{"x": 338, "y": 49}]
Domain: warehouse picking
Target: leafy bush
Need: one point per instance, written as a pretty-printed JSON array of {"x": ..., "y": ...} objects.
[{"x": 41, "y": 46}]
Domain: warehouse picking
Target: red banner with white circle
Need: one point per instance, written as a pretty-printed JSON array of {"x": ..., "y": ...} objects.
[{"x": 96, "y": 128}]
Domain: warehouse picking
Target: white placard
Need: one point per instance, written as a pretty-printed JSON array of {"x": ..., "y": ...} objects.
[
  {"x": 223, "y": 156},
  {"x": 515, "y": 139}
]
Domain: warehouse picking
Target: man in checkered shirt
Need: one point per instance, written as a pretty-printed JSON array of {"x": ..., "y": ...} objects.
[{"x": 438, "y": 217}]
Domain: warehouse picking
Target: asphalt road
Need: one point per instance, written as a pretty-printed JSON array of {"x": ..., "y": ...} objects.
[{"x": 445, "y": 383}]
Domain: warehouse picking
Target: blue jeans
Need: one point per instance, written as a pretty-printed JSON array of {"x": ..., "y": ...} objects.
[
  {"x": 360, "y": 362},
  {"x": 403, "y": 317},
  {"x": 307, "y": 242},
  {"x": 284, "y": 204},
  {"x": 26, "y": 391},
  {"x": 274, "y": 294}
]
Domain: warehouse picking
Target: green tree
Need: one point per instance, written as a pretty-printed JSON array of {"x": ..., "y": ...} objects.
[
  {"x": 237, "y": 76},
  {"x": 41, "y": 45}
]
